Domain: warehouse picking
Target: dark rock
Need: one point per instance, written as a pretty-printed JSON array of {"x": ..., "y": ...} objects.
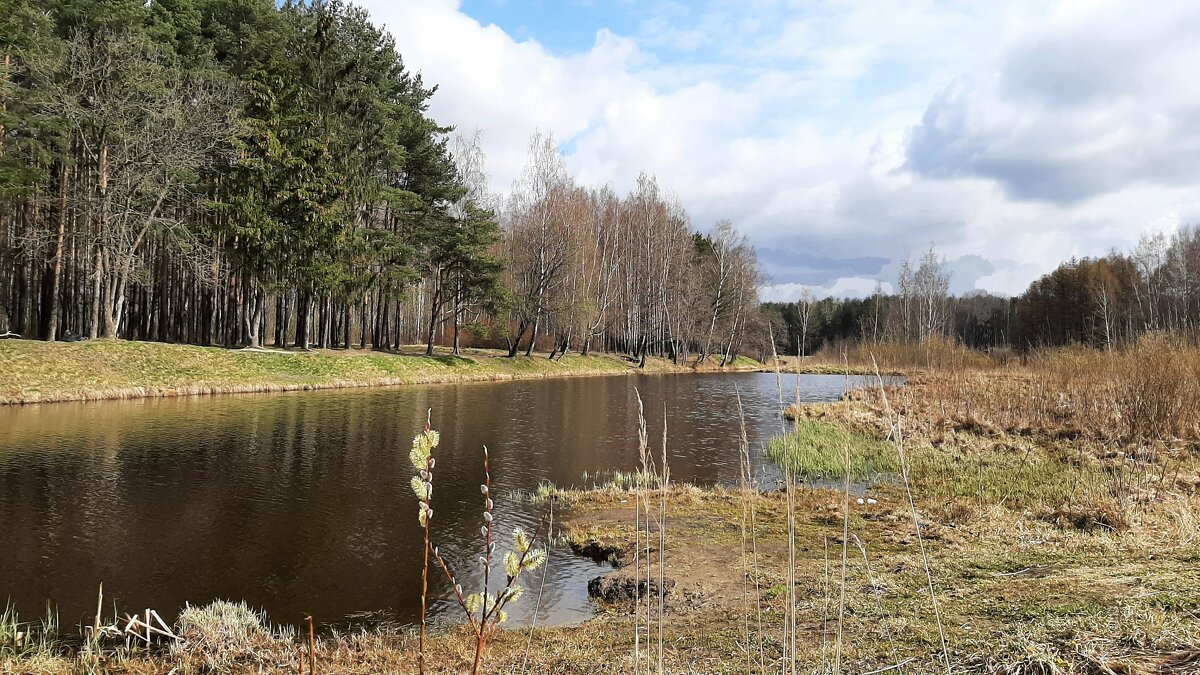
[
  {"x": 597, "y": 551},
  {"x": 618, "y": 587}
]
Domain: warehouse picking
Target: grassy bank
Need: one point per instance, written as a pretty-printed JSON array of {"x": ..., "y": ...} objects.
[{"x": 104, "y": 369}]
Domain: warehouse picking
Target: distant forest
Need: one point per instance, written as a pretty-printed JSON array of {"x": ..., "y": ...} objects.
[
  {"x": 1100, "y": 302},
  {"x": 242, "y": 173}
]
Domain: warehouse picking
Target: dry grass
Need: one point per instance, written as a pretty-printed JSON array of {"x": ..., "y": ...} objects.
[
  {"x": 899, "y": 356},
  {"x": 225, "y": 636},
  {"x": 1148, "y": 394}
]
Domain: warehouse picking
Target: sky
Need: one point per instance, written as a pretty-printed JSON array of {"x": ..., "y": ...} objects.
[{"x": 843, "y": 135}]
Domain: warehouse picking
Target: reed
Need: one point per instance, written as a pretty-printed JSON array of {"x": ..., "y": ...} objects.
[
  {"x": 541, "y": 586},
  {"x": 877, "y": 592},
  {"x": 791, "y": 642},
  {"x": 898, "y": 439},
  {"x": 748, "y": 525}
]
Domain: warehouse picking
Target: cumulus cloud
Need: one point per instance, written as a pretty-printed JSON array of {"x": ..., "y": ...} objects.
[
  {"x": 1083, "y": 106},
  {"x": 842, "y": 136}
]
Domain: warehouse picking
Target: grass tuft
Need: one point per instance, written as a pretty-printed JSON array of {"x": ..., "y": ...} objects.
[
  {"x": 225, "y": 635},
  {"x": 816, "y": 450}
]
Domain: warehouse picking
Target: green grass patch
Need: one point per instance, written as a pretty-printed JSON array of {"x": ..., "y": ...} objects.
[
  {"x": 1018, "y": 478},
  {"x": 819, "y": 451}
]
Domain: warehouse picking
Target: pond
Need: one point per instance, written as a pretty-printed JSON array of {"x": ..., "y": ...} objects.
[{"x": 299, "y": 503}]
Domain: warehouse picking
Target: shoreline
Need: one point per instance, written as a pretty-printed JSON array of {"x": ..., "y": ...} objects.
[{"x": 96, "y": 370}]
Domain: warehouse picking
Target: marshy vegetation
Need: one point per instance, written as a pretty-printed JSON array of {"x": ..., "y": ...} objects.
[{"x": 817, "y": 450}]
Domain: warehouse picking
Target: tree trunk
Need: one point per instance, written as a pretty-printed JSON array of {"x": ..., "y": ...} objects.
[
  {"x": 515, "y": 344},
  {"x": 434, "y": 310},
  {"x": 253, "y": 314},
  {"x": 457, "y": 319},
  {"x": 363, "y": 321},
  {"x": 533, "y": 335},
  {"x": 4, "y": 103},
  {"x": 303, "y": 309},
  {"x": 56, "y": 278},
  {"x": 347, "y": 323}
]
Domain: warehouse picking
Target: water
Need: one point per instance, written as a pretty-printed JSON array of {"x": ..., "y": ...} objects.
[{"x": 299, "y": 503}]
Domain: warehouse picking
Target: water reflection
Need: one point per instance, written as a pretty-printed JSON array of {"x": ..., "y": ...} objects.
[{"x": 299, "y": 503}]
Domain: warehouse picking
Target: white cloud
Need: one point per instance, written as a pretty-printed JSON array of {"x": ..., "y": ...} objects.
[
  {"x": 842, "y": 135},
  {"x": 845, "y": 287}
]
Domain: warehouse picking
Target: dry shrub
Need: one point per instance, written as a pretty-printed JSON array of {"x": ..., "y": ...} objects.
[
  {"x": 934, "y": 352},
  {"x": 1147, "y": 392},
  {"x": 1157, "y": 390}
]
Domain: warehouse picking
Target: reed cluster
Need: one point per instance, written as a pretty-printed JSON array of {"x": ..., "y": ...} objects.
[{"x": 1146, "y": 393}]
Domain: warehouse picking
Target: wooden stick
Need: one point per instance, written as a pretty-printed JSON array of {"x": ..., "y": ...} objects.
[
  {"x": 166, "y": 630},
  {"x": 312, "y": 646}
]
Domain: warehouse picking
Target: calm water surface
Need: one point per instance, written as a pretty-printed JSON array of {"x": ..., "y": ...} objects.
[{"x": 299, "y": 503}]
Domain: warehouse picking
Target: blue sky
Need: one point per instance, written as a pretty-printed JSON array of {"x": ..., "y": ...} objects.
[
  {"x": 564, "y": 27},
  {"x": 842, "y": 135}
]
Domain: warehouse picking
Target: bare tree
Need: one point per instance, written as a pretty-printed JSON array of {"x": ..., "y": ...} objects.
[
  {"x": 931, "y": 286},
  {"x": 807, "y": 300},
  {"x": 719, "y": 270},
  {"x": 537, "y": 247}
]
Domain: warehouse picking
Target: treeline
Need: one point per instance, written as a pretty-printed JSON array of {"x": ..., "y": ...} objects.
[
  {"x": 1101, "y": 302},
  {"x": 1112, "y": 300},
  {"x": 590, "y": 268},
  {"x": 237, "y": 172},
  {"x": 921, "y": 309}
]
